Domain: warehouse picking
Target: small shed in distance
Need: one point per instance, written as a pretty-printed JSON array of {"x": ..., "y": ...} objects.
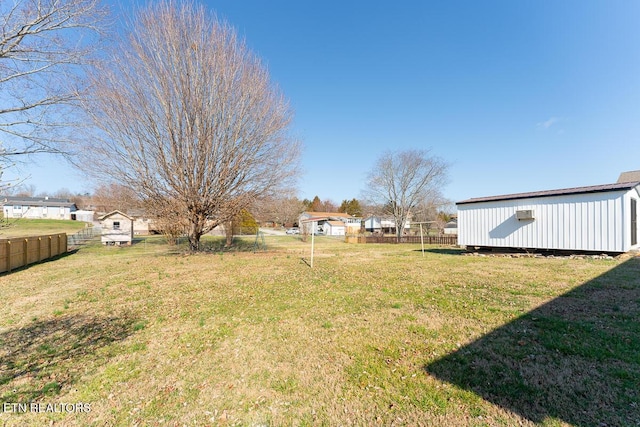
[
  {"x": 600, "y": 218},
  {"x": 451, "y": 227},
  {"x": 83, "y": 215},
  {"x": 117, "y": 228}
]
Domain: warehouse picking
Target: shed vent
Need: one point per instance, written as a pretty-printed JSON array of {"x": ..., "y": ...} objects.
[{"x": 524, "y": 214}]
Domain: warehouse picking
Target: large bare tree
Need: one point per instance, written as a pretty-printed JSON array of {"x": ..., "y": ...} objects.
[
  {"x": 43, "y": 44},
  {"x": 401, "y": 181},
  {"x": 187, "y": 113}
]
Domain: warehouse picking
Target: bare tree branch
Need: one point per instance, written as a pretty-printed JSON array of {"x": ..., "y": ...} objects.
[
  {"x": 186, "y": 113},
  {"x": 43, "y": 46},
  {"x": 402, "y": 181}
]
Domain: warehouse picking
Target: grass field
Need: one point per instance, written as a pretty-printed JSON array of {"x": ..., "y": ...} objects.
[
  {"x": 372, "y": 335},
  {"x": 35, "y": 227}
]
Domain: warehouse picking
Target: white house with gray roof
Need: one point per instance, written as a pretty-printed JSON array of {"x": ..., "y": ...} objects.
[
  {"x": 37, "y": 207},
  {"x": 602, "y": 218}
]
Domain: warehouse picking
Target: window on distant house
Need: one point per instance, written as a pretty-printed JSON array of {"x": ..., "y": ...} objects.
[
  {"x": 17, "y": 207},
  {"x": 116, "y": 225}
]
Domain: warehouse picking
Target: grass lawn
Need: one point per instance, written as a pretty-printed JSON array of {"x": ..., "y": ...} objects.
[
  {"x": 35, "y": 227},
  {"x": 373, "y": 335}
]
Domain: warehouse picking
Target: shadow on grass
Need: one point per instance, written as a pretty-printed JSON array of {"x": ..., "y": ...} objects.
[
  {"x": 44, "y": 261},
  {"x": 218, "y": 244},
  {"x": 40, "y": 359},
  {"x": 576, "y": 358},
  {"x": 442, "y": 251}
]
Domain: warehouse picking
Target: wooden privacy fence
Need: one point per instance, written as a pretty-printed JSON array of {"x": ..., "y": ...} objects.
[
  {"x": 20, "y": 251},
  {"x": 428, "y": 240}
]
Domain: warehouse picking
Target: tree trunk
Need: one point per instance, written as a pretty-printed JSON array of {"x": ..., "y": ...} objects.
[
  {"x": 399, "y": 220},
  {"x": 195, "y": 233},
  {"x": 228, "y": 229}
]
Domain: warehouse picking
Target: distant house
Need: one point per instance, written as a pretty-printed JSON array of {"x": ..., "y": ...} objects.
[
  {"x": 451, "y": 227},
  {"x": 83, "y": 215},
  {"x": 143, "y": 224},
  {"x": 117, "y": 228},
  {"x": 350, "y": 224},
  {"x": 37, "y": 207},
  {"x": 601, "y": 218},
  {"x": 334, "y": 228},
  {"x": 384, "y": 225}
]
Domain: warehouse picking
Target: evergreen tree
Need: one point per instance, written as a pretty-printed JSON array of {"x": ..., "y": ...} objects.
[
  {"x": 316, "y": 205},
  {"x": 351, "y": 207}
]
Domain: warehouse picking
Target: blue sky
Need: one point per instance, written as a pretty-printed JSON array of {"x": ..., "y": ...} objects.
[{"x": 516, "y": 95}]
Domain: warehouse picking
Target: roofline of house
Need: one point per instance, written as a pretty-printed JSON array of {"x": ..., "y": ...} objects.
[
  {"x": 550, "y": 193},
  {"x": 36, "y": 201},
  {"x": 328, "y": 214},
  {"x": 315, "y": 219},
  {"x": 113, "y": 213}
]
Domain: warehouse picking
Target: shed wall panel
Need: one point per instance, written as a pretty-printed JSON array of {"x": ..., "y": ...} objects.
[{"x": 590, "y": 222}]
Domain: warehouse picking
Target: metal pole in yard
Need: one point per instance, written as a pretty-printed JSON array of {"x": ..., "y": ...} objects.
[
  {"x": 314, "y": 224},
  {"x": 421, "y": 239}
]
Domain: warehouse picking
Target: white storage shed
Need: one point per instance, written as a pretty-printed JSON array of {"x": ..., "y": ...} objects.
[
  {"x": 602, "y": 218},
  {"x": 117, "y": 228}
]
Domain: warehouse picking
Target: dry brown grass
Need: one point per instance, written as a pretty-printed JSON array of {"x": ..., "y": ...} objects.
[{"x": 151, "y": 337}]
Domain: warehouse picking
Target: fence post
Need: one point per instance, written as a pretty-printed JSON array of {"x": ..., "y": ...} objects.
[
  {"x": 25, "y": 252},
  {"x": 50, "y": 246},
  {"x": 8, "y": 248}
]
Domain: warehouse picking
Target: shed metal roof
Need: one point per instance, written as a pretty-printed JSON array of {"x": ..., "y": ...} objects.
[{"x": 561, "y": 192}]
